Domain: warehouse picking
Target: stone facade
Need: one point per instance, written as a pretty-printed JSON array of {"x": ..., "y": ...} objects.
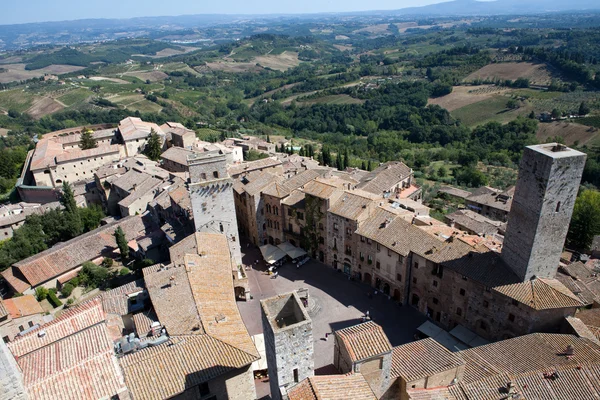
[
  {"x": 288, "y": 342},
  {"x": 211, "y": 193},
  {"x": 549, "y": 177}
]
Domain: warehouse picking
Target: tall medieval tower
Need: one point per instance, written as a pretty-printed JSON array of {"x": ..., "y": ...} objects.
[
  {"x": 211, "y": 193},
  {"x": 549, "y": 177},
  {"x": 289, "y": 346}
]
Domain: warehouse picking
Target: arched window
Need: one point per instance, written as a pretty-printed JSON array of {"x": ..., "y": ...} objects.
[
  {"x": 215, "y": 174},
  {"x": 203, "y": 175},
  {"x": 276, "y": 209}
]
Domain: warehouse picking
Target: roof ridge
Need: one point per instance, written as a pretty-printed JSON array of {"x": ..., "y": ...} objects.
[{"x": 255, "y": 356}]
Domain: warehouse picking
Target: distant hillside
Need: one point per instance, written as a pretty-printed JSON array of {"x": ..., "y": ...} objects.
[{"x": 499, "y": 7}]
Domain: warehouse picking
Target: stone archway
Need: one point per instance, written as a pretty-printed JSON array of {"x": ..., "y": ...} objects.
[
  {"x": 367, "y": 278},
  {"x": 386, "y": 289},
  {"x": 397, "y": 296},
  {"x": 240, "y": 293},
  {"x": 377, "y": 283}
]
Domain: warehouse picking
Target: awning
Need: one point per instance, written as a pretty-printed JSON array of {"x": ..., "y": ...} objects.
[
  {"x": 291, "y": 250},
  {"x": 271, "y": 253},
  {"x": 467, "y": 336},
  {"x": 429, "y": 329}
]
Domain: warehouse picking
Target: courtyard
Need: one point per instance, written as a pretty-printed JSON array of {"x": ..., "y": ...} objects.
[{"x": 336, "y": 302}]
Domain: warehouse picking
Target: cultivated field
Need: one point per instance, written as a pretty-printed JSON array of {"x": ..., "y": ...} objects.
[
  {"x": 152, "y": 76},
  {"x": 281, "y": 62},
  {"x": 491, "y": 109},
  {"x": 570, "y": 132},
  {"x": 375, "y": 29},
  {"x": 44, "y": 106},
  {"x": 17, "y": 72},
  {"x": 537, "y": 74},
  {"x": 103, "y": 78},
  {"x": 464, "y": 95},
  {"x": 234, "y": 67},
  {"x": 3, "y": 132},
  {"x": 333, "y": 99}
]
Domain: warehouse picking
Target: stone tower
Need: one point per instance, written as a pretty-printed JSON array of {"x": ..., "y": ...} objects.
[
  {"x": 288, "y": 336},
  {"x": 211, "y": 193},
  {"x": 549, "y": 177}
]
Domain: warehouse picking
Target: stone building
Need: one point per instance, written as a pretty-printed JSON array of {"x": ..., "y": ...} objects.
[
  {"x": 288, "y": 342},
  {"x": 365, "y": 349},
  {"x": 174, "y": 159},
  {"x": 393, "y": 179},
  {"x": 179, "y": 135},
  {"x": 249, "y": 206},
  {"x": 19, "y": 314},
  {"x": 343, "y": 218},
  {"x": 334, "y": 387},
  {"x": 134, "y": 133},
  {"x": 549, "y": 177},
  {"x": 211, "y": 194}
]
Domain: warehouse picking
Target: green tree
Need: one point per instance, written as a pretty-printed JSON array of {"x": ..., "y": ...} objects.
[
  {"x": 442, "y": 171},
  {"x": 68, "y": 198},
  {"x": 585, "y": 222},
  {"x": 512, "y": 104},
  {"x": 91, "y": 217},
  {"x": 122, "y": 243},
  {"x": 153, "y": 147},
  {"x": 87, "y": 140},
  {"x": 346, "y": 158},
  {"x": 584, "y": 109},
  {"x": 556, "y": 113},
  {"x": 339, "y": 161}
]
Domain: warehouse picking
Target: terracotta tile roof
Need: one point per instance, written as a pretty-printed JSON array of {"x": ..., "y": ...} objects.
[
  {"x": 149, "y": 185},
  {"x": 385, "y": 177},
  {"x": 323, "y": 189},
  {"x": 301, "y": 179},
  {"x": 492, "y": 197},
  {"x": 143, "y": 321},
  {"x": 183, "y": 362},
  {"x": 441, "y": 393},
  {"x": 210, "y": 274},
  {"x": 116, "y": 301},
  {"x": 66, "y": 256},
  {"x": 276, "y": 189},
  {"x": 177, "y": 155},
  {"x": 364, "y": 341},
  {"x": 187, "y": 246},
  {"x": 3, "y": 311},
  {"x": 254, "y": 182},
  {"x": 351, "y": 204},
  {"x": 132, "y": 128},
  {"x": 422, "y": 358},
  {"x": 165, "y": 283},
  {"x": 238, "y": 169},
  {"x": 582, "y": 330},
  {"x": 181, "y": 197},
  {"x": 295, "y": 199},
  {"x": 463, "y": 194},
  {"x": 45, "y": 153},
  {"x": 332, "y": 387},
  {"x": 71, "y": 321},
  {"x": 475, "y": 222},
  {"x": 72, "y": 155},
  {"x": 541, "y": 294},
  {"x": 79, "y": 366},
  {"x": 130, "y": 179},
  {"x": 23, "y": 306},
  {"x": 526, "y": 354},
  {"x": 577, "y": 270},
  {"x": 393, "y": 232},
  {"x": 590, "y": 317}
]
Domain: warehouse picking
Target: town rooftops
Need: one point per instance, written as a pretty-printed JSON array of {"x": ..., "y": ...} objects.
[
  {"x": 541, "y": 294},
  {"x": 254, "y": 182},
  {"x": 324, "y": 189},
  {"x": 207, "y": 336},
  {"x": 3, "y": 310},
  {"x": 116, "y": 301},
  {"x": 132, "y": 128},
  {"x": 23, "y": 306},
  {"x": 177, "y": 155},
  {"x": 99, "y": 151},
  {"x": 385, "y": 177},
  {"x": 364, "y": 341},
  {"x": 55, "y": 364},
  {"x": 423, "y": 358},
  {"x": 474, "y": 222},
  {"x": 351, "y": 204},
  {"x": 238, "y": 169},
  {"x": 63, "y": 257},
  {"x": 332, "y": 387}
]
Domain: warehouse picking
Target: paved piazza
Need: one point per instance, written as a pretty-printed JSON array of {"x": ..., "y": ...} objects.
[{"x": 336, "y": 303}]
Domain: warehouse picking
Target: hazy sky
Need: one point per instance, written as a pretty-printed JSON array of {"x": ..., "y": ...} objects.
[{"x": 22, "y": 11}]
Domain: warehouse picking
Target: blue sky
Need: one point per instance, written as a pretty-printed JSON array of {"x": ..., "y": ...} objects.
[{"x": 22, "y": 11}]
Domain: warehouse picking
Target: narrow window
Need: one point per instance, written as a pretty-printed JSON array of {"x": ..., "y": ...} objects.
[
  {"x": 296, "y": 375},
  {"x": 215, "y": 174},
  {"x": 221, "y": 227},
  {"x": 558, "y": 206}
]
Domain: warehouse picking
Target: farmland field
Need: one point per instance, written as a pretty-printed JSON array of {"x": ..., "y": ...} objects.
[
  {"x": 572, "y": 133},
  {"x": 332, "y": 99},
  {"x": 464, "y": 95},
  {"x": 17, "y": 72},
  {"x": 17, "y": 100},
  {"x": 537, "y": 74},
  {"x": 492, "y": 109},
  {"x": 44, "y": 106},
  {"x": 281, "y": 62}
]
